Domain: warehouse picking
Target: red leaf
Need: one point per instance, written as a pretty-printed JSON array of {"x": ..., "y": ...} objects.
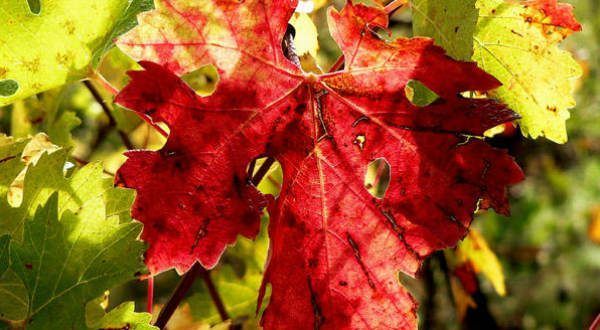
[
  {"x": 335, "y": 249},
  {"x": 560, "y": 14}
]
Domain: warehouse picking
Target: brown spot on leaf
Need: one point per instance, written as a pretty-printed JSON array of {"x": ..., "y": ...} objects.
[
  {"x": 69, "y": 26},
  {"x": 32, "y": 65}
]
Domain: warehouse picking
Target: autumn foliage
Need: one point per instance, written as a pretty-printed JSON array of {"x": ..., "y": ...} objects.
[{"x": 335, "y": 248}]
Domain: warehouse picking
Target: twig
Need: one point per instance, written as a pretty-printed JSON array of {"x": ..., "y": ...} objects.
[
  {"x": 182, "y": 288},
  {"x": 430, "y": 292},
  {"x": 441, "y": 259},
  {"x": 111, "y": 120},
  {"x": 262, "y": 171}
]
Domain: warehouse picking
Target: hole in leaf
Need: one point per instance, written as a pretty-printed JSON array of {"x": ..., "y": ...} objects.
[
  {"x": 35, "y": 6},
  {"x": 473, "y": 95},
  {"x": 8, "y": 87},
  {"x": 270, "y": 171},
  {"x": 203, "y": 81},
  {"x": 360, "y": 141},
  {"x": 377, "y": 178},
  {"x": 418, "y": 94}
]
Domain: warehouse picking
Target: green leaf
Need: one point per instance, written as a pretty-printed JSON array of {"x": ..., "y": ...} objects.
[
  {"x": 56, "y": 266},
  {"x": 65, "y": 263},
  {"x": 120, "y": 317},
  {"x": 4, "y": 240},
  {"x": 44, "y": 44},
  {"x": 450, "y": 22},
  {"x": 44, "y": 113},
  {"x": 126, "y": 22},
  {"x": 88, "y": 192},
  {"x": 538, "y": 77}
]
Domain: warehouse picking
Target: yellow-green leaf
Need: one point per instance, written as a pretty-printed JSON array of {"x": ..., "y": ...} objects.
[
  {"x": 451, "y": 23},
  {"x": 46, "y": 43},
  {"x": 475, "y": 249},
  {"x": 516, "y": 43},
  {"x": 120, "y": 317},
  {"x": 538, "y": 77}
]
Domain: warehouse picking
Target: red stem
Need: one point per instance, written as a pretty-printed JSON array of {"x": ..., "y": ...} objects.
[
  {"x": 102, "y": 81},
  {"x": 150, "y": 303},
  {"x": 338, "y": 64},
  {"x": 596, "y": 324}
]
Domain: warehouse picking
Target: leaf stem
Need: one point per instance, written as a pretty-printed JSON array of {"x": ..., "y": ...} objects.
[
  {"x": 111, "y": 119},
  {"x": 338, "y": 64},
  {"x": 182, "y": 288},
  {"x": 105, "y": 83},
  {"x": 430, "y": 293},
  {"x": 596, "y": 324},
  {"x": 150, "y": 295}
]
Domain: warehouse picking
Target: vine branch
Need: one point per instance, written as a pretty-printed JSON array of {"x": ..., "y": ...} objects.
[
  {"x": 106, "y": 109},
  {"x": 197, "y": 270},
  {"x": 182, "y": 288}
]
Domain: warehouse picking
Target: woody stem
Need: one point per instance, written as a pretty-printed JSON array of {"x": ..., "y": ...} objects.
[{"x": 189, "y": 278}]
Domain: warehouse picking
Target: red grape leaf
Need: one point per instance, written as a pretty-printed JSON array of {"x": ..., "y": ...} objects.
[
  {"x": 335, "y": 249},
  {"x": 555, "y": 14}
]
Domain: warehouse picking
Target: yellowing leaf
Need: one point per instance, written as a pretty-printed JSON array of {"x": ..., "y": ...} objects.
[
  {"x": 475, "y": 249},
  {"x": 519, "y": 48},
  {"x": 517, "y": 43},
  {"x": 309, "y": 6},
  {"x": 594, "y": 226},
  {"x": 37, "y": 146},
  {"x": 462, "y": 299},
  {"x": 494, "y": 131},
  {"x": 55, "y": 41},
  {"x": 306, "y": 39}
]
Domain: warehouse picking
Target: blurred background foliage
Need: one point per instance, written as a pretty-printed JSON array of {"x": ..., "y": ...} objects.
[{"x": 538, "y": 269}]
